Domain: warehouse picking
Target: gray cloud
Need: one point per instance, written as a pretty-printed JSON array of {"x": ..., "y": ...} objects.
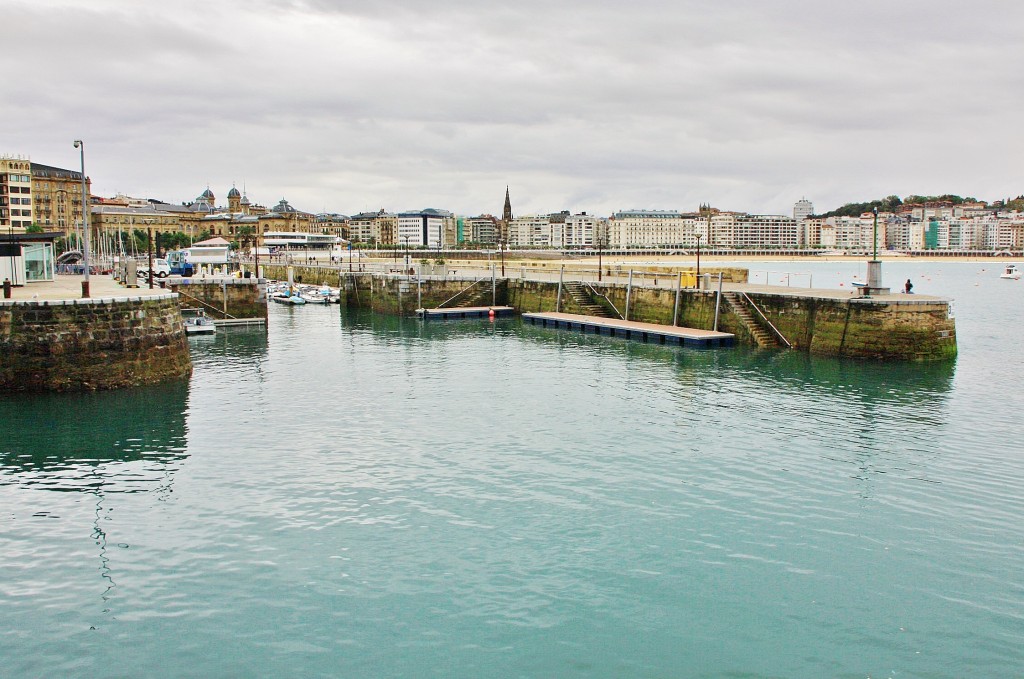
[{"x": 597, "y": 106}]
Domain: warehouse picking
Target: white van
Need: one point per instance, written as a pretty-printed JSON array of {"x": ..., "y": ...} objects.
[{"x": 160, "y": 267}]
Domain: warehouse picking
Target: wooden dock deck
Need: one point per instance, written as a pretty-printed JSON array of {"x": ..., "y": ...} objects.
[
  {"x": 646, "y": 332},
  {"x": 466, "y": 312}
]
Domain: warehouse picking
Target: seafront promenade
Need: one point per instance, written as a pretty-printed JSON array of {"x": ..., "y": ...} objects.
[{"x": 64, "y": 288}]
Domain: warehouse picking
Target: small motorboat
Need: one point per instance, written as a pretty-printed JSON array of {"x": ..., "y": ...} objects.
[
  {"x": 197, "y": 322},
  {"x": 1011, "y": 272},
  {"x": 321, "y": 295},
  {"x": 289, "y": 296}
]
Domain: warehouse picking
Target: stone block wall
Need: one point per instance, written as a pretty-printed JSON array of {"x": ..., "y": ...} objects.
[
  {"x": 223, "y": 297},
  {"x": 857, "y": 327},
  {"x": 87, "y": 344},
  {"x": 864, "y": 328}
]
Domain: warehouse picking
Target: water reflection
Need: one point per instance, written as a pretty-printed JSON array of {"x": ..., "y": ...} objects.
[{"x": 121, "y": 441}]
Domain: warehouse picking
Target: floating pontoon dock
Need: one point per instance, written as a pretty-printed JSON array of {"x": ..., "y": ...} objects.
[
  {"x": 466, "y": 312},
  {"x": 646, "y": 332}
]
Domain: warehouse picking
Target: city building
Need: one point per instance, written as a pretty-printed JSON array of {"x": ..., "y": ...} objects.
[
  {"x": 802, "y": 209},
  {"x": 529, "y": 231},
  {"x": 578, "y": 231},
  {"x": 16, "y": 193},
  {"x": 481, "y": 230},
  {"x": 58, "y": 198},
  {"x": 431, "y": 228},
  {"x": 655, "y": 228}
]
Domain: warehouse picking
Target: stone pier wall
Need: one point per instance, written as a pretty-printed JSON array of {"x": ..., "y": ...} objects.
[
  {"x": 855, "y": 327},
  {"x": 223, "y": 297},
  {"x": 87, "y": 344}
]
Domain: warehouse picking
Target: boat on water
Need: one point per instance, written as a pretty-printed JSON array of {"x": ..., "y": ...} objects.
[
  {"x": 289, "y": 296},
  {"x": 1011, "y": 272},
  {"x": 197, "y": 322},
  {"x": 319, "y": 295}
]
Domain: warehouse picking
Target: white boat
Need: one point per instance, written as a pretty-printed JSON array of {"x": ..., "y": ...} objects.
[
  {"x": 197, "y": 322},
  {"x": 289, "y": 296},
  {"x": 289, "y": 299},
  {"x": 1012, "y": 272},
  {"x": 322, "y": 295}
]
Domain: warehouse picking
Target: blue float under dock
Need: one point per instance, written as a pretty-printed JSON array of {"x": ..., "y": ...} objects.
[
  {"x": 466, "y": 312},
  {"x": 645, "y": 332}
]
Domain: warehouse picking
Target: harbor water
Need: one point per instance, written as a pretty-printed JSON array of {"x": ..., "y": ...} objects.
[{"x": 351, "y": 495}]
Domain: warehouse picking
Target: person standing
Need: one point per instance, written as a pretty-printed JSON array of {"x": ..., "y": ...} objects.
[{"x": 908, "y": 287}]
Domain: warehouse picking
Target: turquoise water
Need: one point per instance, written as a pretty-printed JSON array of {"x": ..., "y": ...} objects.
[{"x": 352, "y": 495}]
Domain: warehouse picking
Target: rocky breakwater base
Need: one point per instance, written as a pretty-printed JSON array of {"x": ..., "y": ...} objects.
[{"x": 50, "y": 341}]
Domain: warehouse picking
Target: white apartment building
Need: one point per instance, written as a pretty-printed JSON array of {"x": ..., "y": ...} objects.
[
  {"x": 738, "y": 230},
  {"x": 528, "y": 231},
  {"x": 904, "y": 234},
  {"x": 855, "y": 233},
  {"x": 431, "y": 228},
  {"x": 655, "y": 228},
  {"x": 578, "y": 231},
  {"x": 802, "y": 209}
]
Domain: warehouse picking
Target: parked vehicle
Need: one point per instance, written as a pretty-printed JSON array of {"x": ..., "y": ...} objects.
[{"x": 160, "y": 268}]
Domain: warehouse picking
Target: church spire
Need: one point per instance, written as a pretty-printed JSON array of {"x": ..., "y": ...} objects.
[{"x": 506, "y": 215}]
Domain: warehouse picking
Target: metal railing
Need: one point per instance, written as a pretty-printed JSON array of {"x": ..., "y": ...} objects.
[
  {"x": 764, "y": 318},
  {"x": 604, "y": 297},
  {"x": 461, "y": 292}
]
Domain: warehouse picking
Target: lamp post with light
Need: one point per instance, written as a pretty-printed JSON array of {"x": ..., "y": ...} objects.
[
  {"x": 698, "y": 259},
  {"x": 80, "y": 145}
]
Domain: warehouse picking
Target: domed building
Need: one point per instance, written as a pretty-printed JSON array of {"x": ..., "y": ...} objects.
[{"x": 234, "y": 200}]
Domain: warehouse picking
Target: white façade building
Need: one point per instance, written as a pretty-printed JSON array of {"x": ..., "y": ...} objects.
[
  {"x": 530, "y": 231},
  {"x": 802, "y": 210},
  {"x": 855, "y": 233},
  {"x": 741, "y": 230},
  {"x": 655, "y": 228},
  {"x": 430, "y": 228},
  {"x": 578, "y": 231}
]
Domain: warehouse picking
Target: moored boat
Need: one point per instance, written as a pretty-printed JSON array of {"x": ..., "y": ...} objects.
[
  {"x": 1011, "y": 272},
  {"x": 197, "y": 322}
]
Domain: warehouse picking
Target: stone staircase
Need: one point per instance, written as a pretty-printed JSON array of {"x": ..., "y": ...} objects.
[
  {"x": 481, "y": 295},
  {"x": 762, "y": 336},
  {"x": 581, "y": 297}
]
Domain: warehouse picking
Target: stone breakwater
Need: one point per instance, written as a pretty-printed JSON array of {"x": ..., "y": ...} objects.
[
  {"x": 823, "y": 323},
  {"x": 88, "y": 344}
]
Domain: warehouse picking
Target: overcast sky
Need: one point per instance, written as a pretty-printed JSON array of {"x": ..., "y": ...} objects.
[{"x": 352, "y": 105}]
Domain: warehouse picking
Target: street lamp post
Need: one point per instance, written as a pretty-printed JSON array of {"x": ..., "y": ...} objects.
[
  {"x": 80, "y": 145},
  {"x": 874, "y": 238},
  {"x": 874, "y": 285},
  {"x": 256, "y": 253},
  {"x": 149, "y": 249},
  {"x": 406, "y": 238},
  {"x": 698, "y": 259},
  {"x": 600, "y": 244},
  {"x": 501, "y": 251}
]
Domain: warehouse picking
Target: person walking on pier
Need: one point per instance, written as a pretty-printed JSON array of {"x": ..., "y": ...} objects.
[{"x": 908, "y": 287}]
